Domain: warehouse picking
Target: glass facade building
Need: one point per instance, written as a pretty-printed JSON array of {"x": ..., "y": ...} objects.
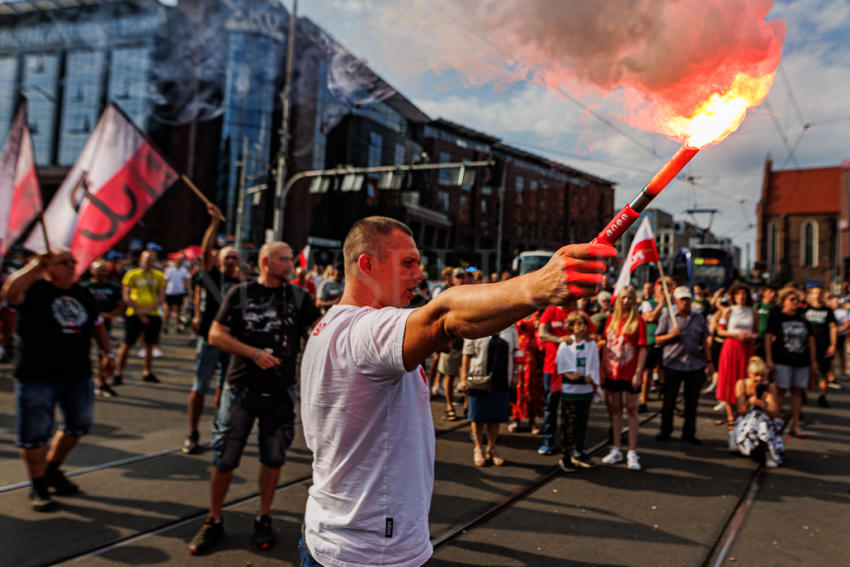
[{"x": 69, "y": 64}]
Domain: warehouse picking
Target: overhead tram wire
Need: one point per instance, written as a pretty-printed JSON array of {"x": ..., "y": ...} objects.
[{"x": 781, "y": 132}]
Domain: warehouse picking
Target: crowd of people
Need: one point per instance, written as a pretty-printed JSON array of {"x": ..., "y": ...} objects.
[{"x": 493, "y": 356}]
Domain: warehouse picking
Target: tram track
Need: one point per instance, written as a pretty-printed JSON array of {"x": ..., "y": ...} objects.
[{"x": 714, "y": 557}]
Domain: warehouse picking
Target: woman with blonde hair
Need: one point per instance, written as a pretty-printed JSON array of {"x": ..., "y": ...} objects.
[
  {"x": 623, "y": 359},
  {"x": 758, "y": 430},
  {"x": 739, "y": 327}
]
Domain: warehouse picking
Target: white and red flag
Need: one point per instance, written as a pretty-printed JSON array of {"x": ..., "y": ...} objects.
[
  {"x": 304, "y": 257},
  {"x": 113, "y": 183},
  {"x": 20, "y": 196},
  {"x": 642, "y": 251}
]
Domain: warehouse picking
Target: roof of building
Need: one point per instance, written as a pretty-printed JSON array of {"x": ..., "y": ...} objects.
[
  {"x": 804, "y": 191},
  {"x": 464, "y": 131},
  {"x": 557, "y": 166}
]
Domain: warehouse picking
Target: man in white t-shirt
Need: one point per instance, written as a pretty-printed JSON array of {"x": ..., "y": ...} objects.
[
  {"x": 364, "y": 396},
  {"x": 176, "y": 285}
]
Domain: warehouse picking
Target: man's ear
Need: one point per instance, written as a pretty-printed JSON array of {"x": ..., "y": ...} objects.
[{"x": 366, "y": 263}]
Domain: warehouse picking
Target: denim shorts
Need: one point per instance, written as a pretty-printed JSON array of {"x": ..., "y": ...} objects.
[
  {"x": 785, "y": 376},
  {"x": 35, "y": 406},
  {"x": 235, "y": 419},
  {"x": 207, "y": 359}
]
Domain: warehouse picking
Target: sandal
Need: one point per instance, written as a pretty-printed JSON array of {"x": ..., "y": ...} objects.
[
  {"x": 497, "y": 459},
  {"x": 478, "y": 457},
  {"x": 451, "y": 415},
  {"x": 720, "y": 422}
]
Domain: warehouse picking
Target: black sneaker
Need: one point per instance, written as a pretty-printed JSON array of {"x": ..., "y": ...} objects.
[
  {"x": 822, "y": 402},
  {"x": 642, "y": 408},
  {"x": 40, "y": 499},
  {"x": 190, "y": 445},
  {"x": 57, "y": 480},
  {"x": 105, "y": 391},
  {"x": 566, "y": 465},
  {"x": 117, "y": 380},
  {"x": 263, "y": 536},
  {"x": 150, "y": 378},
  {"x": 662, "y": 437},
  {"x": 691, "y": 439},
  {"x": 209, "y": 534},
  {"x": 582, "y": 460}
]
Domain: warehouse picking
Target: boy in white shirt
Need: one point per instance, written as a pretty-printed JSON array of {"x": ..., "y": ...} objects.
[{"x": 578, "y": 365}]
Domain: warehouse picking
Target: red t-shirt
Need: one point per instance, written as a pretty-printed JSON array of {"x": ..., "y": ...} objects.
[
  {"x": 621, "y": 351},
  {"x": 556, "y": 318}
]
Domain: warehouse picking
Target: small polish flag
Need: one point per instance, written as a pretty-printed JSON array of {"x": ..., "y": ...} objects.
[
  {"x": 304, "y": 257},
  {"x": 642, "y": 251}
]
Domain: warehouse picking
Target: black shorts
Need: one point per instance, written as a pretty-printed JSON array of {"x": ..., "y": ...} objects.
[
  {"x": 176, "y": 299},
  {"x": 653, "y": 357},
  {"x": 620, "y": 386},
  {"x": 824, "y": 364},
  {"x": 134, "y": 328}
]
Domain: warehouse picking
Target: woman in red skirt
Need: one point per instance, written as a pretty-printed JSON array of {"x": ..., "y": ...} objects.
[
  {"x": 739, "y": 325},
  {"x": 529, "y": 388}
]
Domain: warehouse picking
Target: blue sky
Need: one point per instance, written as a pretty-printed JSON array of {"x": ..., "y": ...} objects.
[{"x": 804, "y": 122}]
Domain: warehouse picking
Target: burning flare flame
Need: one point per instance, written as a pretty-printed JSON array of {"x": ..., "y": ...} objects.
[{"x": 721, "y": 114}]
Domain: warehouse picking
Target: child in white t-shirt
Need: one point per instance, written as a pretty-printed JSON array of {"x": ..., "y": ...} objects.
[{"x": 578, "y": 365}]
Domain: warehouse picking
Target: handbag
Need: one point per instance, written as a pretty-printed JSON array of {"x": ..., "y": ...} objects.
[{"x": 479, "y": 383}]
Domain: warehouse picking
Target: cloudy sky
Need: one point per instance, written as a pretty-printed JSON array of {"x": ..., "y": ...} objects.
[{"x": 803, "y": 122}]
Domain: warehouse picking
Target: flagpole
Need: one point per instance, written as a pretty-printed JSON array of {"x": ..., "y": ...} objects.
[
  {"x": 667, "y": 293},
  {"x": 44, "y": 231},
  {"x": 198, "y": 192}
]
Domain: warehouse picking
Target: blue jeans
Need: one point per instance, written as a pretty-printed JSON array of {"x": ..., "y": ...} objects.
[
  {"x": 550, "y": 412},
  {"x": 207, "y": 359},
  {"x": 35, "y": 405},
  {"x": 307, "y": 560}
]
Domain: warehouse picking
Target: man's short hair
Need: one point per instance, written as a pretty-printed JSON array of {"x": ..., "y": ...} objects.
[{"x": 364, "y": 235}]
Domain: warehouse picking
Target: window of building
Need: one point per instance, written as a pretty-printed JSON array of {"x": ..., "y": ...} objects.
[
  {"x": 376, "y": 146},
  {"x": 771, "y": 245},
  {"x": 809, "y": 244},
  {"x": 399, "y": 154},
  {"x": 40, "y": 81},
  {"x": 519, "y": 185},
  {"x": 445, "y": 157},
  {"x": 443, "y": 201},
  {"x": 128, "y": 82},
  {"x": 8, "y": 71},
  {"x": 81, "y": 103}
]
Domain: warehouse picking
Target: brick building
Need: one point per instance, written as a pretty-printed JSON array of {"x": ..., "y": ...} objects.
[{"x": 798, "y": 221}]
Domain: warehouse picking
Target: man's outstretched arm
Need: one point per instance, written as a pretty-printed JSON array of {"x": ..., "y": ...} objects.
[{"x": 480, "y": 310}]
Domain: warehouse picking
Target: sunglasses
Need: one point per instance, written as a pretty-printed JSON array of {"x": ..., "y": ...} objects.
[{"x": 66, "y": 262}]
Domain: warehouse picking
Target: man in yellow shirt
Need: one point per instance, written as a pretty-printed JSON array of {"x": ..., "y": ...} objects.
[{"x": 144, "y": 294}]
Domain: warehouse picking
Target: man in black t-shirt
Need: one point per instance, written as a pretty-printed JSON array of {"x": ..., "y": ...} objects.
[
  {"x": 108, "y": 298},
  {"x": 216, "y": 276},
  {"x": 261, "y": 325},
  {"x": 825, "y": 330},
  {"x": 56, "y": 321}
]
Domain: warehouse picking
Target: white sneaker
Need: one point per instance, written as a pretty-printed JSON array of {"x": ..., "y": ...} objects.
[
  {"x": 157, "y": 353},
  {"x": 632, "y": 461},
  {"x": 719, "y": 406},
  {"x": 141, "y": 353},
  {"x": 613, "y": 457},
  {"x": 769, "y": 462}
]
